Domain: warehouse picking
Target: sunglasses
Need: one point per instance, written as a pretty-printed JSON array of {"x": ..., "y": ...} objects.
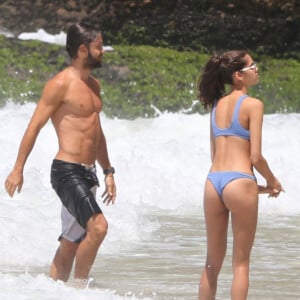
[{"x": 252, "y": 67}]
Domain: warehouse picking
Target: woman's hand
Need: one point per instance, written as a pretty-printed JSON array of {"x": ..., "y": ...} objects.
[{"x": 273, "y": 188}]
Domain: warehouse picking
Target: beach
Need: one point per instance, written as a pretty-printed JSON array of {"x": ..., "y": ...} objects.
[{"x": 155, "y": 247}]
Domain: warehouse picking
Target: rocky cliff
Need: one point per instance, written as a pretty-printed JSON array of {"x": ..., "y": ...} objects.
[{"x": 265, "y": 26}]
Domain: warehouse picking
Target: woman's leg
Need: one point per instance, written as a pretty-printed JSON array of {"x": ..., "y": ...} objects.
[
  {"x": 216, "y": 219},
  {"x": 241, "y": 198}
]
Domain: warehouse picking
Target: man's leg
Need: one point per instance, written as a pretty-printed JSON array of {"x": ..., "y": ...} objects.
[
  {"x": 63, "y": 260},
  {"x": 95, "y": 233}
]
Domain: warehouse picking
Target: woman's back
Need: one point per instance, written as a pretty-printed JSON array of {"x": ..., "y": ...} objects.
[{"x": 230, "y": 130}]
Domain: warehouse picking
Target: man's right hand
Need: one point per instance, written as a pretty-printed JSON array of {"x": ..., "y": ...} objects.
[{"x": 14, "y": 181}]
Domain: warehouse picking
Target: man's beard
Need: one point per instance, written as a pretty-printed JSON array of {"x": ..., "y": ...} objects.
[{"x": 92, "y": 62}]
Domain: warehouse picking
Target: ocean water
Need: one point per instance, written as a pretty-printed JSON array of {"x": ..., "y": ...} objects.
[{"x": 155, "y": 247}]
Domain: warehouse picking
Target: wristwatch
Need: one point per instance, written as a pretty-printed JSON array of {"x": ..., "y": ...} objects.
[{"x": 110, "y": 170}]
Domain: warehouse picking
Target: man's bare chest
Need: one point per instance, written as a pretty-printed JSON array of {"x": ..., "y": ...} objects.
[{"x": 82, "y": 100}]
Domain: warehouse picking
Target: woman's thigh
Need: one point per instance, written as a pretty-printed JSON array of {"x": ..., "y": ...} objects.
[
  {"x": 241, "y": 198},
  {"x": 216, "y": 219}
]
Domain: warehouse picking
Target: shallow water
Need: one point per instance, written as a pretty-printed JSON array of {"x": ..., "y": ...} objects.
[
  {"x": 155, "y": 247},
  {"x": 168, "y": 265}
]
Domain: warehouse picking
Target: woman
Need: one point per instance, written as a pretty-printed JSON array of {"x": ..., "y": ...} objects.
[{"x": 231, "y": 187}]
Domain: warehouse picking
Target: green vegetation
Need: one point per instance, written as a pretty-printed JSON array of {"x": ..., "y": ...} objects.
[
  {"x": 148, "y": 78},
  {"x": 279, "y": 84},
  {"x": 24, "y": 68},
  {"x": 139, "y": 81}
]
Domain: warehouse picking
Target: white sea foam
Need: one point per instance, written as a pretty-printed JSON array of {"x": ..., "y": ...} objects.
[
  {"x": 26, "y": 286},
  {"x": 58, "y": 39},
  {"x": 161, "y": 164},
  {"x": 43, "y": 36}
]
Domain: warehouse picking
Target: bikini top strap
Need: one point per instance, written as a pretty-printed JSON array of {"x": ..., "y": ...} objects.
[
  {"x": 237, "y": 107},
  {"x": 213, "y": 113}
]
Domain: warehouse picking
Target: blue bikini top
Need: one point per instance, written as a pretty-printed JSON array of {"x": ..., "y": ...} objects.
[{"x": 235, "y": 127}]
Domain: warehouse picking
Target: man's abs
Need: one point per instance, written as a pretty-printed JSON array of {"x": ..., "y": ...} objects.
[{"x": 77, "y": 142}]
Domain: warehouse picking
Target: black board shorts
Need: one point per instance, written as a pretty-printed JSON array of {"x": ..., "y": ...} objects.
[{"x": 73, "y": 184}]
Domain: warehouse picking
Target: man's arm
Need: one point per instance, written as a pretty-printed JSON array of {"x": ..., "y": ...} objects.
[
  {"x": 46, "y": 106},
  {"x": 102, "y": 153},
  {"x": 109, "y": 194}
]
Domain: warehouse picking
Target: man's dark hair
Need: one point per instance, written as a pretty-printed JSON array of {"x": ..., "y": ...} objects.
[{"x": 78, "y": 34}]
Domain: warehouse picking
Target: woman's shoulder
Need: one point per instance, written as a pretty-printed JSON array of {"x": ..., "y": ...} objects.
[
  {"x": 253, "y": 101},
  {"x": 254, "y": 105}
]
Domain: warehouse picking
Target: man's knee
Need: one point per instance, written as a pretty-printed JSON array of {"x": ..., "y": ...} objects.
[
  {"x": 98, "y": 226},
  {"x": 101, "y": 227}
]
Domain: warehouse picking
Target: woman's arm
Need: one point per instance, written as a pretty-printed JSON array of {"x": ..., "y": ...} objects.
[{"x": 256, "y": 111}]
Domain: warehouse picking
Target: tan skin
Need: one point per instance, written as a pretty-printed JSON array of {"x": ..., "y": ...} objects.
[
  {"x": 71, "y": 99},
  {"x": 240, "y": 197}
]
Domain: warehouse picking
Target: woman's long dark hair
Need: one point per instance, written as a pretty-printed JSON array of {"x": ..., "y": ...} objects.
[
  {"x": 78, "y": 34},
  {"x": 217, "y": 73}
]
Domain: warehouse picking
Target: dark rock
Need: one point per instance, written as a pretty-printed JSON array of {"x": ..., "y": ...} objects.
[{"x": 265, "y": 26}]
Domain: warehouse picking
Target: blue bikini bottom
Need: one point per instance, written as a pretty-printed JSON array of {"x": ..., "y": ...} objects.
[{"x": 221, "y": 179}]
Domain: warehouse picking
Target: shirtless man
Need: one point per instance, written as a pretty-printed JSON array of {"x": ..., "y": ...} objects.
[{"x": 71, "y": 99}]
